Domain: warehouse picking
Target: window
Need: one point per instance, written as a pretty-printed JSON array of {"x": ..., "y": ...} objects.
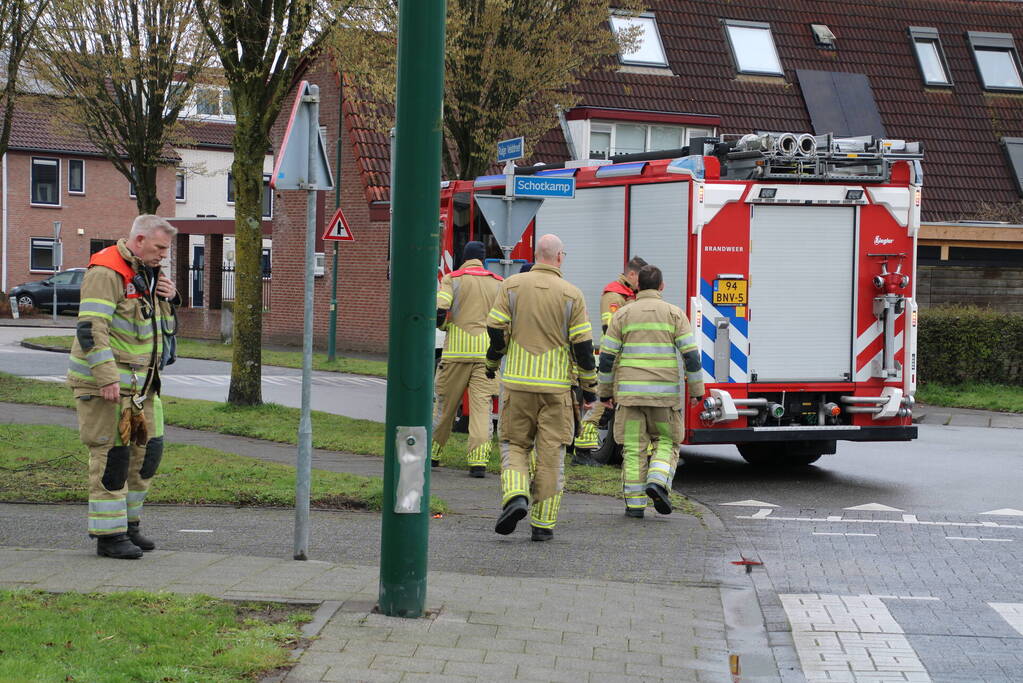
[
  {"x": 608, "y": 140},
  {"x": 96, "y": 245},
  {"x": 131, "y": 184},
  {"x": 179, "y": 186},
  {"x": 41, "y": 254},
  {"x": 930, "y": 56},
  {"x": 753, "y": 48},
  {"x": 45, "y": 181},
  {"x": 266, "y": 199},
  {"x": 997, "y": 60},
  {"x": 1014, "y": 151},
  {"x": 66, "y": 278},
  {"x": 648, "y": 51},
  {"x": 76, "y": 176},
  {"x": 209, "y": 101}
]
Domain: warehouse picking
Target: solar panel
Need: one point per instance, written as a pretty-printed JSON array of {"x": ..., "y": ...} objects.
[{"x": 840, "y": 103}]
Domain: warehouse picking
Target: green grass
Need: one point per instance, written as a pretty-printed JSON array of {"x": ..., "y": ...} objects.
[
  {"x": 46, "y": 464},
  {"x": 274, "y": 422},
  {"x": 135, "y": 636},
  {"x": 210, "y": 350},
  {"x": 999, "y": 397}
]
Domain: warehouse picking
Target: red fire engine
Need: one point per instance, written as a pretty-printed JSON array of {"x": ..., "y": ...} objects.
[{"x": 794, "y": 256}]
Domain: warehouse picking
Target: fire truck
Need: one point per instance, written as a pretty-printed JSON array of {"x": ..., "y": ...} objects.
[{"x": 793, "y": 255}]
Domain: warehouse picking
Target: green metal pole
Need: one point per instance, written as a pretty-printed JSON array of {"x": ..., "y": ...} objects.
[
  {"x": 415, "y": 197},
  {"x": 332, "y": 327}
]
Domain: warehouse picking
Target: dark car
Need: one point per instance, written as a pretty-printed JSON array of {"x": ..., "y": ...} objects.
[{"x": 40, "y": 293}]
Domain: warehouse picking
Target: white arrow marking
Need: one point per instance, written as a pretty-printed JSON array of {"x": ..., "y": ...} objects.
[
  {"x": 751, "y": 504},
  {"x": 760, "y": 514},
  {"x": 874, "y": 507},
  {"x": 1008, "y": 512},
  {"x": 195, "y": 531},
  {"x": 974, "y": 538}
]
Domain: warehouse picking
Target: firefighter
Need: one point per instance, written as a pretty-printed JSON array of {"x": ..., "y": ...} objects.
[
  {"x": 616, "y": 294},
  {"x": 464, "y": 298},
  {"x": 639, "y": 369},
  {"x": 114, "y": 374},
  {"x": 539, "y": 320}
]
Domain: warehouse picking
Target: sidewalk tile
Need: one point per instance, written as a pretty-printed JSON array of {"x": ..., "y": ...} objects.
[
  {"x": 420, "y": 665},
  {"x": 484, "y": 643},
  {"x": 342, "y": 674},
  {"x": 496, "y": 672},
  {"x": 540, "y": 673},
  {"x": 589, "y": 665},
  {"x": 519, "y": 659},
  {"x": 453, "y": 654}
]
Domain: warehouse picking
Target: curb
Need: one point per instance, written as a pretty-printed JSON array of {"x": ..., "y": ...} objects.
[{"x": 43, "y": 347}]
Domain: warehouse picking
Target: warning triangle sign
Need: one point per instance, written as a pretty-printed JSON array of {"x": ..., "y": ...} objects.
[{"x": 338, "y": 228}]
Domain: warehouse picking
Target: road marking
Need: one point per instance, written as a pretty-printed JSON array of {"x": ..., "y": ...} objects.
[
  {"x": 1012, "y": 612},
  {"x": 985, "y": 525},
  {"x": 760, "y": 514},
  {"x": 908, "y": 597},
  {"x": 850, "y": 638},
  {"x": 195, "y": 531},
  {"x": 874, "y": 507},
  {"x": 837, "y": 533},
  {"x": 751, "y": 504},
  {"x": 910, "y": 518},
  {"x": 1008, "y": 512},
  {"x": 982, "y": 540}
]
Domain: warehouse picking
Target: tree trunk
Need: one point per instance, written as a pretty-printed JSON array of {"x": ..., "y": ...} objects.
[
  {"x": 250, "y": 145},
  {"x": 145, "y": 190}
]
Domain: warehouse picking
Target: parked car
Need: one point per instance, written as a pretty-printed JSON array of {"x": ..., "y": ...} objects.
[{"x": 39, "y": 294}]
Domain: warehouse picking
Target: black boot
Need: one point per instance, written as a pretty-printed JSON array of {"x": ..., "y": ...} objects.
[
  {"x": 662, "y": 503},
  {"x": 478, "y": 471},
  {"x": 118, "y": 547},
  {"x": 540, "y": 534},
  {"x": 514, "y": 510},
  {"x": 136, "y": 537},
  {"x": 634, "y": 512},
  {"x": 434, "y": 462}
]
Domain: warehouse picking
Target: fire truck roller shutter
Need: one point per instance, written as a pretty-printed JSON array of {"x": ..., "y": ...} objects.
[
  {"x": 592, "y": 228},
  {"x": 801, "y": 292},
  {"x": 658, "y": 231}
]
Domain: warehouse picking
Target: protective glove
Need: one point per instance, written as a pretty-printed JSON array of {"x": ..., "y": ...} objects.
[{"x": 492, "y": 367}]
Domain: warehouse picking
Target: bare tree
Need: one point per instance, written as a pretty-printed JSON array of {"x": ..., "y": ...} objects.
[
  {"x": 125, "y": 69},
  {"x": 18, "y": 21},
  {"x": 263, "y": 48},
  {"x": 508, "y": 64}
]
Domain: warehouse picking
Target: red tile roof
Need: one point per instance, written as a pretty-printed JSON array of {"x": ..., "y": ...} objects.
[
  {"x": 960, "y": 126},
  {"x": 209, "y": 134}
]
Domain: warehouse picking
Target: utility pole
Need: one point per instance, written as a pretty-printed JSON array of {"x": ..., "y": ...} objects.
[{"x": 415, "y": 198}]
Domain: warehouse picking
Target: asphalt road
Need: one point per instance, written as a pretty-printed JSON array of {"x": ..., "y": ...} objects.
[{"x": 356, "y": 396}]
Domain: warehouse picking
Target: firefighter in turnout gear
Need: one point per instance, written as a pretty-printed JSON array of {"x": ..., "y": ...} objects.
[
  {"x": 639, "y": 367},
  {"x": 539, "y": 320},
  {"x": 616, "y": 294},
  {"x": 114, "y": 373},
  {"x": 464, "y": 298}
]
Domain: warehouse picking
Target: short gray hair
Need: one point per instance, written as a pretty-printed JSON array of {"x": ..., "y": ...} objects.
[{"x": 146, "y": 224}]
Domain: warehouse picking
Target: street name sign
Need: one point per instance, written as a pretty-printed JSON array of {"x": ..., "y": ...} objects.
[
  {"x": 338, "y": 228},
  {"x": 543, "y": 188},
  {"x": 510, "y": 150}
]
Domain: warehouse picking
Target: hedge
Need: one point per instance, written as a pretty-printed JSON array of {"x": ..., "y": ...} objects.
[{"x": 958, "y": 344}]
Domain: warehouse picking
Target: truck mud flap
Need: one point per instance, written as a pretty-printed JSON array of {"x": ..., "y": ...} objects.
[{"x": 839, "y": 433}]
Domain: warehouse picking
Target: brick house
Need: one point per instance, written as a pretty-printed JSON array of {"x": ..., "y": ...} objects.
[
  {"x": 50, "y": 176},
  {"x": 944, "y": 72}
]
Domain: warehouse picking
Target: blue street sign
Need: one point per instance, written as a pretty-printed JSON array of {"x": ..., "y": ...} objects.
[
  {"x": 510, "y": 150},
  {"x": 540, "y": 186}
]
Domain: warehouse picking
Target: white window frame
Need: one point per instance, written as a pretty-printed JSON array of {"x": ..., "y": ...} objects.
[
  {"x": 267, "y": 192},
  {"x": 31, "y": 182},
  {"x": 31, "y": 247},
  {"x": 180, "y": 174},
  {"x": 650, "y": 39},
  {"x": 69, "y": 190},
  {"x": 1014, "y": 155},
  {"x": 230, "y": 184},
  {"x": 132, "y": 192},
  {"x": 603, "y": 126},
  {"x": 927, "y": 35},
  {"x": 756, "y": 25},
  {"x": 981, "y": 41}
]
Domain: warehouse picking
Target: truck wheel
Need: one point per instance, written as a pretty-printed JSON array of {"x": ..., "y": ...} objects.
[
  {"x": 609, "y": 452},
  {"x": 780, "y": 454}
]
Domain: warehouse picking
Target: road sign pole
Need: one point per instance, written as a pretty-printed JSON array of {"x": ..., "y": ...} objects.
[
  {"x": 332, "y": 336},
  {"x": 303, "y": 467},
  {"x": 414, "y": 234}
]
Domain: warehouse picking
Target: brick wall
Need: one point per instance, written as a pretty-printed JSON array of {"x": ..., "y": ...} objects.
[
  {"x": 363, "y": 284},
  {"x": 998, "y": 287},
  {"x": 104, "y": 211}
]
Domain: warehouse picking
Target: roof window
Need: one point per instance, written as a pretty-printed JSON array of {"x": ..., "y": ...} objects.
[
  {"x": 997, "y": 60},
  {"x": 649, "y": 51},
  {"x": 1014, "y": 151},
  {"x": 823, "y": 36},
  {"x": 930, "y": 56},
  {"x": 753, "y": 47}
]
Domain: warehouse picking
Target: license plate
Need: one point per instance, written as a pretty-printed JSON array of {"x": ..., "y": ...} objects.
[{"x": 730, "y": 293}]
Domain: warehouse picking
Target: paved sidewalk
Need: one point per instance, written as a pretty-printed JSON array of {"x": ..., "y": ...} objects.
[
  {"x": 965, "y": 417},
  {"x": 604, "y": 601}
]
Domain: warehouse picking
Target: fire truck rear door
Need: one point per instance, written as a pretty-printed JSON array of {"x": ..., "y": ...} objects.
[
  {"x": 658, "y": 232},
  {"x": 801, "y": 293},
  {"x": 592, "y": 228}
]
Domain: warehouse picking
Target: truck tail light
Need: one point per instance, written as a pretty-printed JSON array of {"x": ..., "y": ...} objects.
[{"x": 832, "y": 409}]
